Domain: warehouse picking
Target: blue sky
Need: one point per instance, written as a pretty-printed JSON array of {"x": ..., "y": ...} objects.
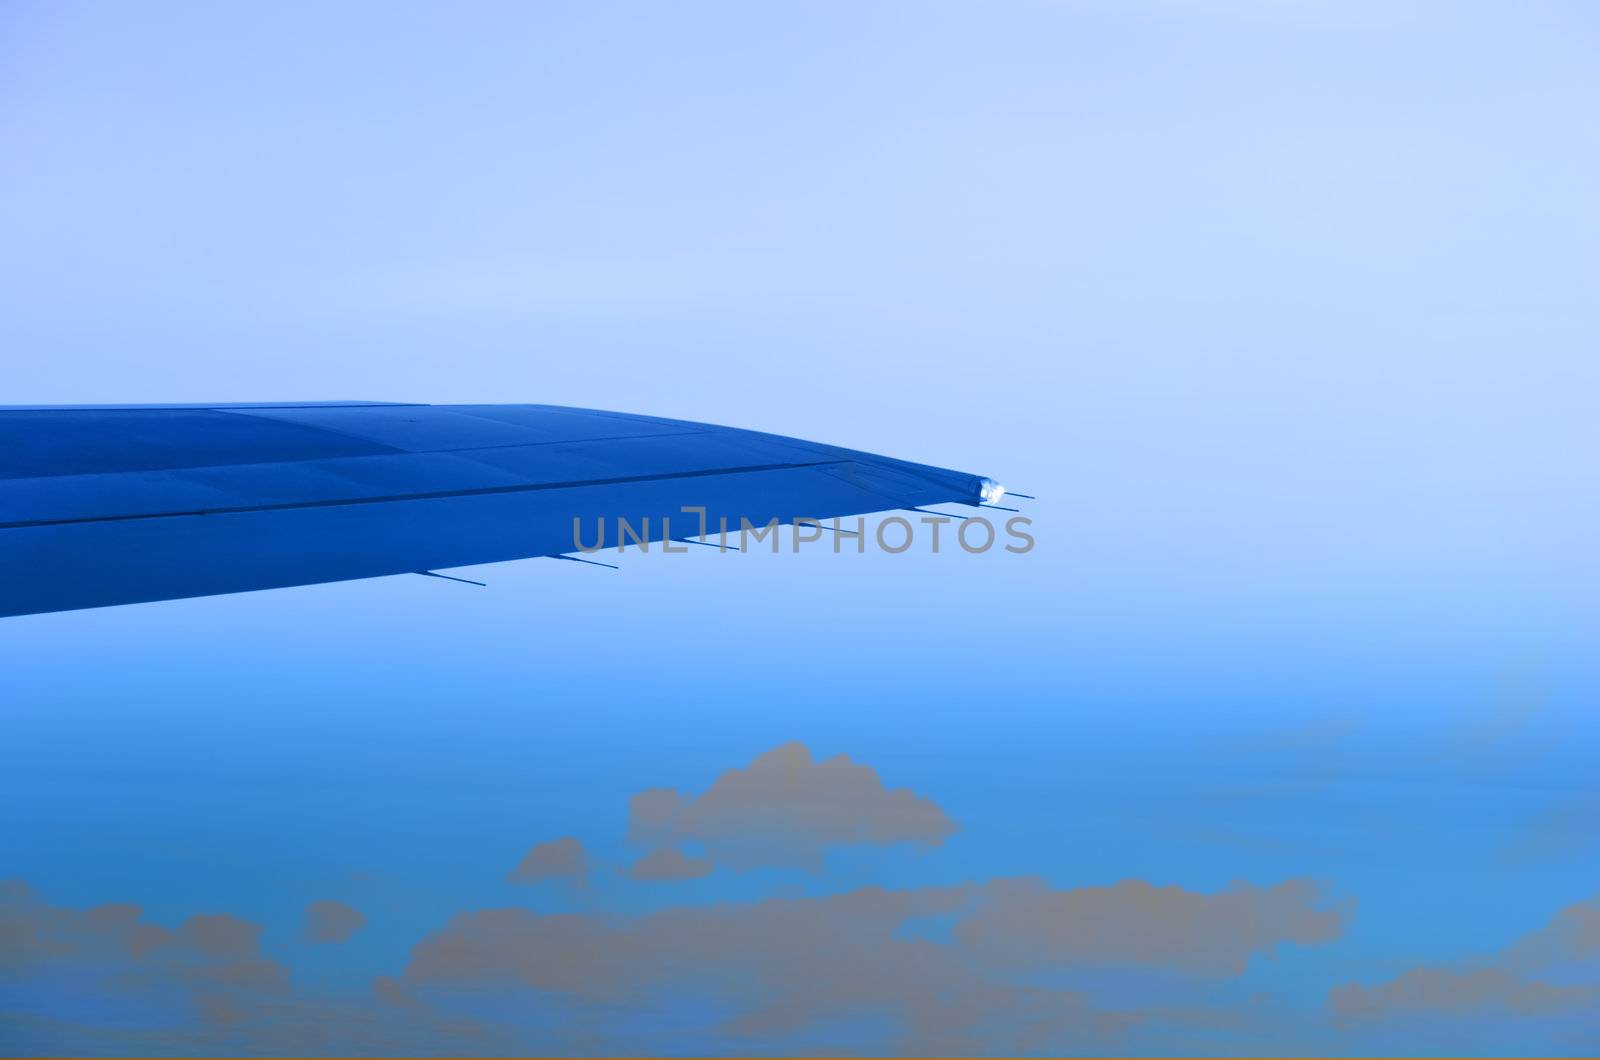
[{"x": 1283, "y": 310}]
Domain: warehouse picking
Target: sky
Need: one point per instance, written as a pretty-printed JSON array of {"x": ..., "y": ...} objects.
[{"x": 1279, "y": 741}]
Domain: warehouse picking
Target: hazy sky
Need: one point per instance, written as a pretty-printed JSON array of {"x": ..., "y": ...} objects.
[{"x": 1285, "y": 311}]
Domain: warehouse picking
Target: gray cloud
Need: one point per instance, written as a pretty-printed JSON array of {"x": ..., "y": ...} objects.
[
  {"x": 775, "y": 974},
  {"x": 777, "y": 967},
  {"x": 332, "y": 921},
  {"x": 559, "y": 859},
  {"x": 1456, "y": 992},
  {"x": 220, "y": 935},
  {"x": 1566, "y": 829},
  {"x": 1504, "y": 732},
  {"x": 953, "y": 969},
  {"x": 1507, "y": 982},
  {"x": 1572, "y": 935},
  {"x": 787, "y": 966},
  {"x": 204, "y": 989},
  {"x": 1025, "y": 923},
  {"x": 787, "y": 808},
  {"x": 670, "y": 863},
  {"x": 214, "y": 961}
]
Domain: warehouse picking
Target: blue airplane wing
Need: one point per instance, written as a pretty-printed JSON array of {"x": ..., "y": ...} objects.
[{"x": 103, "y": 505}]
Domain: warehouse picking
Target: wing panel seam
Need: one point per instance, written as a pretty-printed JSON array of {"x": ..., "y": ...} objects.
[{"x": 434, "y": 495}]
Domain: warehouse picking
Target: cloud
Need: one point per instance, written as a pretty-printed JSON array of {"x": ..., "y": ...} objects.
[
  {"x": 1316, "y": 734},
  {"x": 774, "y": 967},
  {"x": 1509, "y": 982},
  {"x": 332, "y": 921},
  {"x": 1025, "y": 923},
  {"x": 387, "y": 989},
  {"x": 670, "y": 863},
  {"x": 111, "y": 983},
  {"x": 221, "y": 935},
  {"x": 788, "y": 966},
  {"x": 1564, "y": 830},
  {"x": 969, "y": 968},
  {"x": 1502, "y": 734},
  {"x": 978, "y": 967},
  {"x": 559, "y": 859},
  {"x": 1446, "y": 990},
  {"x": 213, "y": 961},
  {"x": 1571, "y": 936},
  {"x": 786, "y": 808}
]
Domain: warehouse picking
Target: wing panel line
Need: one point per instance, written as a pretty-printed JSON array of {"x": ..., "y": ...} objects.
[{"x": 435, "y": 495}]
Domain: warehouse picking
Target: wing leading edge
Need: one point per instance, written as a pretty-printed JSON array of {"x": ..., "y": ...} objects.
[{"x": 114, "y": 505}]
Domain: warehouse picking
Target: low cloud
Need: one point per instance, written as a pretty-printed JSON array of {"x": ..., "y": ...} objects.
[
  {"x": 1449, "y": 991},
  {"x": 773, "y": 969},
  {"x": 787, "y": 808},
  {"x": 1571, "y": 936},
  {"x": 202, "y": 989},
  {"x": 1566, "y": 830},
  {"x": 332, "y": 921},
  {"x": 670, "y": 863},
  {"x": 979, "y": 967},
  {"x": 789, "y": 966},
  {"x": 213, "y": 962},
  {"x": 559, "y": 859},
  {"x": 1025, "y": 923},
  {"x": 1525, "y": 978}
]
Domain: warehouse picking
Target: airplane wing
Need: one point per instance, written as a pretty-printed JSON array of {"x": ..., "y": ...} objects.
[{"x": 103, "y": 505}]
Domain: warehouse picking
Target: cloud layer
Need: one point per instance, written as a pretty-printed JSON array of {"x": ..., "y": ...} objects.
[
  {"x": 559, "y": 859},
  {"x": 669, "y": 863},
  {"x": 331, "y": 921},
  {"x": 1025, "y": 924},
  {"x": 1511, "y": 982},
  {"x": 787, "y": 808},
  {"x": 1009, "y": 965},
  {"x": 791, "y": 966},
  {"x": 210, "y": 969}
]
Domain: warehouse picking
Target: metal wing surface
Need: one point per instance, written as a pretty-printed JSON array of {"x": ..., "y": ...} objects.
[{"x": 103, "y": 505}]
